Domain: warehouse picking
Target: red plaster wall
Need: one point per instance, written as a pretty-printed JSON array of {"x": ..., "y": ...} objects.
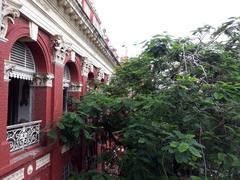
[
  {"x": 47, "y": 102},
  {"x": 42, "y": 98},
  {"x": 84, "y": 82},
  {"x": 42, "y": 109},
  {"x": 57, "y": 93}
]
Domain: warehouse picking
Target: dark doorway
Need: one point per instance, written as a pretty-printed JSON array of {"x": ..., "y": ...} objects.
[{"x": 19, "y": 101}]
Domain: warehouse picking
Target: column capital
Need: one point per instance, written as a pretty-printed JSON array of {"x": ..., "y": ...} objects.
[
  {"x": 100, "y": 74},
  {"x": 75, "y": 87},
  {"x": 8, "y": 69},
  {"x": 60, "y": 49},
  {"x": 10, "y": 11},
  {"x": 87, "y": 67},
  {"x": 43, "y": 80}
]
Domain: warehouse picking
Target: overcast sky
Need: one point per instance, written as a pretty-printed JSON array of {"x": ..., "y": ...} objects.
[{"x": 133, "y": 21}]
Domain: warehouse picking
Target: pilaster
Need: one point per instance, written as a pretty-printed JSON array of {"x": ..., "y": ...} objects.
[
  {"x": 87, "y": 67},
  {"x": 100, "y": 75},
  {"x": 60, "y": 49}
]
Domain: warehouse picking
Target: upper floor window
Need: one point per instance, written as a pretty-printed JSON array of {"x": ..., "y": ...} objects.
[
  {"x": 66, "y": 85},
  {"x": 20, "y": 91}
]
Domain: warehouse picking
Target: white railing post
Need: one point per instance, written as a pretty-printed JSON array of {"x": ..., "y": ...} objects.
[{"x": 23, "y": 135}]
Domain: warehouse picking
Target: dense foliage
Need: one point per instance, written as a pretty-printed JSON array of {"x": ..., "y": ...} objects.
[{"x": 175, "y": 108}]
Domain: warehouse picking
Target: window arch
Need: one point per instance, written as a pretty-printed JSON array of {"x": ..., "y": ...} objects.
[
  {"x": 20, "y": 90},
  {"x": 22, "y": 58}
]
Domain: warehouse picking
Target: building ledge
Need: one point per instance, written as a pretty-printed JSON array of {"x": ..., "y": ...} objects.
[
  {"x": 74, "y": 10},
  {"x": 22, "y": 157}
]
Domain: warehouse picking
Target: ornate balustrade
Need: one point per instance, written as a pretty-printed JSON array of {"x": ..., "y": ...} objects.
[{"x": 23, "y": 135}]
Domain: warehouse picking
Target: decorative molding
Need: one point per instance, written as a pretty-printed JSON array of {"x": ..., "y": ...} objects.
[
  {"x": 66, "y": 83},
  {"x": 87, "y": 67},
  {"x": 43, "y": 80},
  {"x": 10, "y": 12},
  {"x": 12, "y": 70},
  {"x": 42, "y": 4},
  {"x": 100, "y": 74},
  {"x": 33, "y": 29},
  {"x": 72, "y": 56},
  {"x": 30, "y": 169},
  {"x": 19, "y": 174},
  {"x": 75, "y": 87},
  {"x": 42, "y": 161},
  {"x": 69, "y": 28},
  {"x": 21, "y": 74},
  {"x": 60, "y": 48},
  {"x": 8, "y": 68},
  {"x": 74, "y": 10}
]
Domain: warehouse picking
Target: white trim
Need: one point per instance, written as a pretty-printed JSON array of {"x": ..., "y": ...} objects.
[
  {"x": 43, "y": 80},
  {"x": 24, "y": 124},
  {"x": 33, "y": 31},
  {"x": 17, "y": 175},
  {"x": 21, "y": 75},
  {"x": 44, "y": 160},
  {"x": 56, "y": 22},
  {"x": 73, "y": 56},
  {"x": 66, "y": 83},
  {"x": 75, "y": 87}
]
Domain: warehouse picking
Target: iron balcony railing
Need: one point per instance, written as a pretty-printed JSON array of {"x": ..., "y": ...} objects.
[{"x": 23, "y": 135}]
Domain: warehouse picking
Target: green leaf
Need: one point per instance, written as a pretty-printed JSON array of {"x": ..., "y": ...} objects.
[
  {"x": 195, "y": 178},
  {"x": 183, "y": 147},
  {"x": 87, "y": 135},
  {"x": 195, "y": 152},
  {"x": 181, "y": 158},
  {"x": 141, "y": 140},
  {"x": 60, "y": 125},
  {"x": 218, "y": 96},
  {"x": 174, "y": 144},
  {"x": 221, "y": 156}
]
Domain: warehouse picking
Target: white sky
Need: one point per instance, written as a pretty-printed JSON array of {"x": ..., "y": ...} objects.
[{"x": 133, "y": 21}]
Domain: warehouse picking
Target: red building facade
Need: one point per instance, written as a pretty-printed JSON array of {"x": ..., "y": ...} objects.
[{"x": 48, "y": 50}]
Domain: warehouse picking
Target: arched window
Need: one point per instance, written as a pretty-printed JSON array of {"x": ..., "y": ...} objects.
[
  {"x": 20, "y": 92},
  {"x": 66, "y": 85},
  {"x": 22, "y": 58}
]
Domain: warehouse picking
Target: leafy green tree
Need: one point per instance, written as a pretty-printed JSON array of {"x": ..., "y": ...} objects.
[{"x": 175, "y": 109}]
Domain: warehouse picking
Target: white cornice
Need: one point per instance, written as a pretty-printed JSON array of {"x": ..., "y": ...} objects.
[{"x": 51, "y": 18}]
